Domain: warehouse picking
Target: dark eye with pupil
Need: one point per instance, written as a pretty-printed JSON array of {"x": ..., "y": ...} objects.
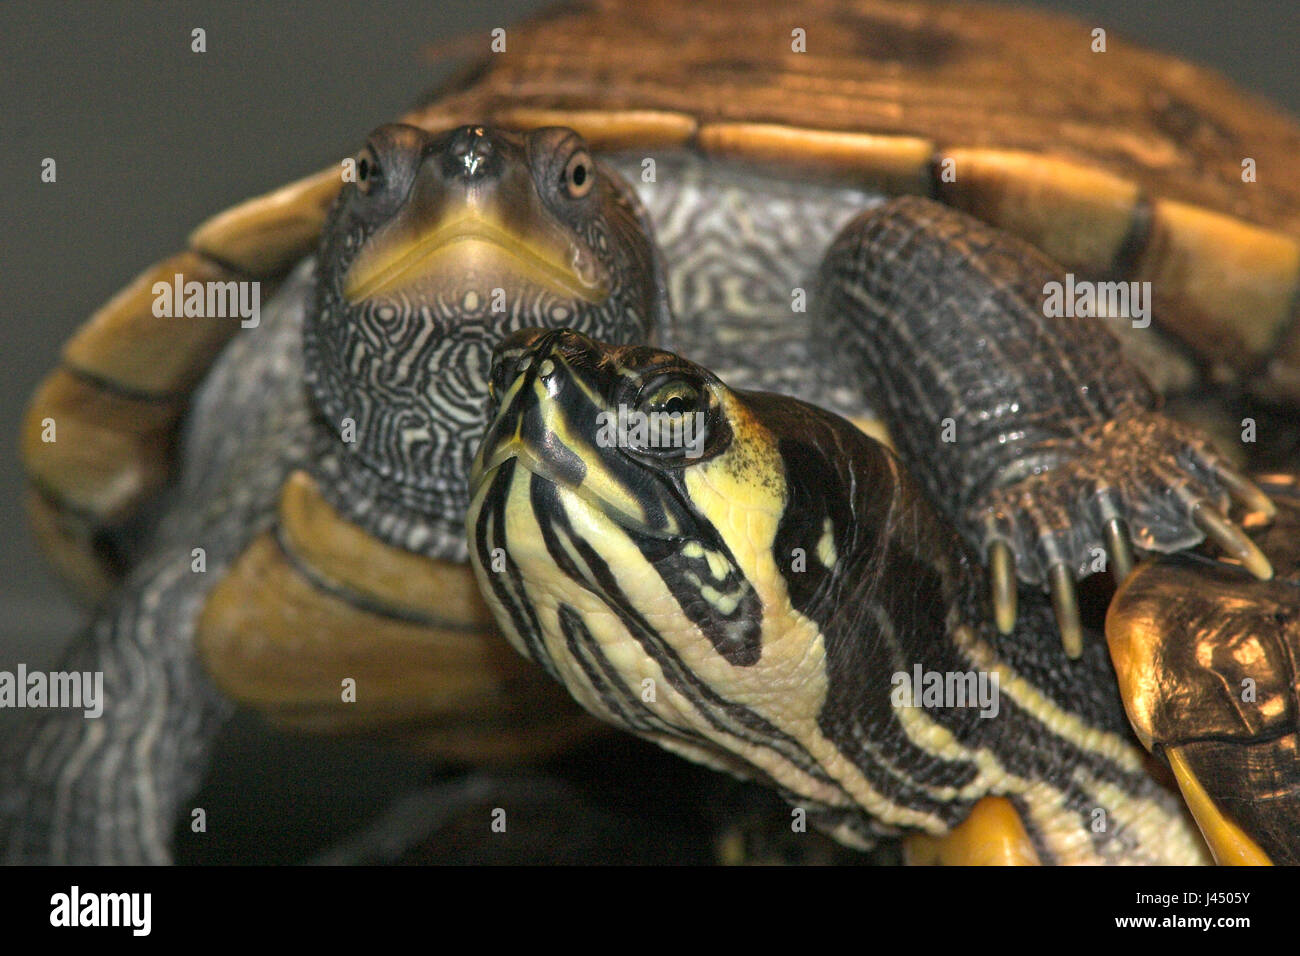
[
  {"x": 674, "y": 422},
  {"x": 578, "y": 175},
  {"x": 672, "y": 397},
  {"x": 675, "y": 405},
  {"x": 369, "y": 176}
]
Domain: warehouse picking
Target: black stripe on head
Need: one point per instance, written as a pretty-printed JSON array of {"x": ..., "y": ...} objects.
[
  {"x": 877, "y": 601},
  {"x": 725, "y": 716},
  {"x": 508, "y": 585},
  {"x": 737, "y": 635},
  {"x": 622, "y": 701},
  {"x": 609, "y": 686}
]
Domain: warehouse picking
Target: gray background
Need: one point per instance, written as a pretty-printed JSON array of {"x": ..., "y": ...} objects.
[{"x": 151, "y": 138}]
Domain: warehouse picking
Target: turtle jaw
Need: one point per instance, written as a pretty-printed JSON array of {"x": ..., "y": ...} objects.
[{"x": 470, "y": 242}]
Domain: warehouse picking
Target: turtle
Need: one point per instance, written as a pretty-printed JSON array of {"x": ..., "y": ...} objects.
[
  {"x": 771, "y": 592},
  {"x": 266, "y": 513}
]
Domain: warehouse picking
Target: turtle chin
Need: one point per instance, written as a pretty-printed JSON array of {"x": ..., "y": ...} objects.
[{"x": 401, "y": 384}]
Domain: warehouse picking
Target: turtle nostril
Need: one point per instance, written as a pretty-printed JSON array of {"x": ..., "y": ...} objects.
[
  {"x": 470, "y": 154},
  {"x": 524, "y": 350}
]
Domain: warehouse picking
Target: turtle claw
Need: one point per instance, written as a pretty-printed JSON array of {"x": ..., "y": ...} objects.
[
  {"x": 1245, "y": 492},
  {"x": 1142, "y": 480},
  {"x": 1002, "y": 569},
  {"x": 1119, "y": 548},
  {"x": 1231, "y": 540},
  {"x": 1065, "y": 602}
]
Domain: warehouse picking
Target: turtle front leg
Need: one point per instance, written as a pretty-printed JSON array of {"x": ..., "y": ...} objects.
[
  {"x": 1029, "y": 429},
  {"x": 77, "y": 788}
]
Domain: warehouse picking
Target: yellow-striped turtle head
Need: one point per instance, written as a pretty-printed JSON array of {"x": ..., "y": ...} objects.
[{"x": 665, "y": 570}]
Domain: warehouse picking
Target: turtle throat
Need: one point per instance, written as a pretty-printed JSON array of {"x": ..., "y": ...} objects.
[{"x": 424, "y": 520}]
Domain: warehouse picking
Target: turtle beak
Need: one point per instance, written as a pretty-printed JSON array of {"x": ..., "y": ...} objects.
[
  {"x": 473, "y": 212},
  {"x": 546, "y": 420},
  {"x": 524, "y": 422}
]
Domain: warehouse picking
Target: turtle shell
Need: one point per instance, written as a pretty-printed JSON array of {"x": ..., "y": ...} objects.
[
  {"x": 1206, "y": 658},
  {"x": 1123, "y": 164}
]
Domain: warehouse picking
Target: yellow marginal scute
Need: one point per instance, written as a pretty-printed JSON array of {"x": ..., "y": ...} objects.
[
  {"x": 608, "y": 129},
  {"x": 266, "y": 235},
  {"x": 301, "y": 610},
  {"x": 345, "y": 555},
  {"x": 110, "y": 452}
]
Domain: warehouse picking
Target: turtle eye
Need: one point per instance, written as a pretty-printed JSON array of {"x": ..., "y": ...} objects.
[
  {"x": 673, "y": 396},
  {"x": 369, "y": 173},
  {"x": 579, "y": 174},
  {"x": 673, "y": 411}
]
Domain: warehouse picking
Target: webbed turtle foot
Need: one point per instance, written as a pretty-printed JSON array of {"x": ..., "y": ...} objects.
[{"x": 1082, "y": 503}]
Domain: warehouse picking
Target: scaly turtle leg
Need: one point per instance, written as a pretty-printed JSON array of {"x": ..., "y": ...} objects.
[
  {"x": 1030, "y": 430},
  {"x": 107, "y": 789}
]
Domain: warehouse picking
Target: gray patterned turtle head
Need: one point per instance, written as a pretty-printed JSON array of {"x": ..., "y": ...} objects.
[{"x": 444, "y": 245}]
